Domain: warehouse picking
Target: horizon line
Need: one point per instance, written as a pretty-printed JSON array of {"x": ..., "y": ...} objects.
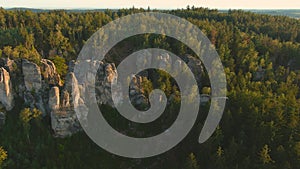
[{"x": 91, "y": 8}]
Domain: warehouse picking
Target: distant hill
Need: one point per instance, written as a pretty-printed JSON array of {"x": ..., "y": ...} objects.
[
  {"x": 47, "y": 10},
  {"x": 294, "y": 13}
]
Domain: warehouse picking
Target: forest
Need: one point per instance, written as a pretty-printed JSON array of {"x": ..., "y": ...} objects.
[{"x": 260, "y": 127}]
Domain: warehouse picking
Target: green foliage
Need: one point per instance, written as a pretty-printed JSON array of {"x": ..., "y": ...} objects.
[
  {"x": 147, "y": 86},
  {"x": 191, "y": 162},
  {"x": 60, "y": 64},
  {"x": 206, "y": 90},
  {"x": 164, "y": 82},
  {"x": 260, "y": 54},
  {"x": 265, "y": 156},
  {"x": 20, "y": 52},
  {"x": 26, "y": 115},
  {"x": 3, "y": 156}
]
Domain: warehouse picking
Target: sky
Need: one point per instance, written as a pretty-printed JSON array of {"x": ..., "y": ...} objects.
[{"x": 158, "y": 4}]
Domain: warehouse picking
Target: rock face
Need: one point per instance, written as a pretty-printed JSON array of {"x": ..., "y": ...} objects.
[
  {"x": 7, "y": 64},
  {"x": 33, "y": 93},
  {"x": 38, "y": 81},
  {"x": 71, "y": 90},
  {"x": 105, "y": 76},
  {"x": 63, "y": 117},
  {"x": 32, "y": 76},
  {"x": 42, "y": 88},
  {"x": 195, "y": 65},
  {"x": 49, "y": 73},
  {"x": 54, "y": 98},
  {"x": 6, "y": 95},
  {"x": 136, "y": 92}
]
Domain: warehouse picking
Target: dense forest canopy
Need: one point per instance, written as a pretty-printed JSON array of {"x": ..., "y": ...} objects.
[{"x": 260, "y": 126}]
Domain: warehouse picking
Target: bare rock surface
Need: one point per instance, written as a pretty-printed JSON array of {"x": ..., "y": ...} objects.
[
  {"x": 49, "y": 73},
  {"x": 64, "y": 121},
  {"x": 6, "y": 94},
  {"x": 32, "y": 76}
]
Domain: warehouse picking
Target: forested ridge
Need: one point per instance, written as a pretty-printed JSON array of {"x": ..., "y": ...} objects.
[{"x": 260, "y": 127}]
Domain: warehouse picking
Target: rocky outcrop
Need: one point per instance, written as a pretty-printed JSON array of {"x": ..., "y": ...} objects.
[
  {"x": 63, "y": 117},
  {"x": 136, "y": 92},
  {"x": 42, "y": 88},
  {"x": 54, "y": 98},
  {"x": 64, "y": 123},
  {"x": 7, "y": 64},
  {"x": 105, "y": 77},
  {"x": 33, "y": 93},
  {"x": 38, "y": 80},
  {"x": 50, "y": 75},
  {"x": 71, "y": 90},
  {"x": 32, "y": 76},
  {"x": 195, "y": 65},
  {"x": 6, "y": 95}
]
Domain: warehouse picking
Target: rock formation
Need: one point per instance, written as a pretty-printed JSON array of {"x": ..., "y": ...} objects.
[
  {"x": 63, "y": 119},
  {"x": 54, "y": 98},
  {"x": 195, "y": 65},
  {"x": 49, "y": 73},
  {"x": 136, "y": 92},
  {"x": 7, "y": 64},
  {"x": 6, "y": 95},
  {"x": 32, "y": 76},
  {"x": 38, "y": 80},
  {"x": 105, "y": 76},
  {"x": 33, "y": 93},
  {"x": 41, "y": 87}
]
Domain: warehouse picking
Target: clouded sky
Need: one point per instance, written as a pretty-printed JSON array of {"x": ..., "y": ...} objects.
[{"x": 160, "y": 4}]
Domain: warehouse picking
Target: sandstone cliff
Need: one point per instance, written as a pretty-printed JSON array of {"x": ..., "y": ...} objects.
[
  {"x": 41, "y": 87},
  {"x": 6, "y": 95}
]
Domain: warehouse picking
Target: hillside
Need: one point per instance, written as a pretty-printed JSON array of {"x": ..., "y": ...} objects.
[{"x": 259, "y": 128}]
